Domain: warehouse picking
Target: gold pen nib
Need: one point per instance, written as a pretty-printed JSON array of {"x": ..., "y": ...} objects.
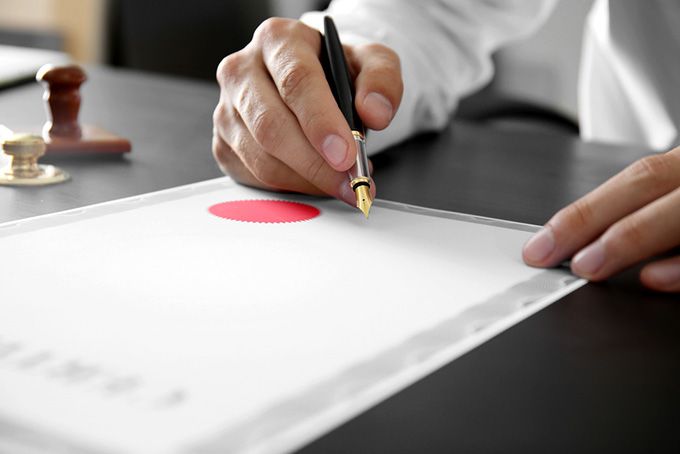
[{"x": 364, "y": 201}]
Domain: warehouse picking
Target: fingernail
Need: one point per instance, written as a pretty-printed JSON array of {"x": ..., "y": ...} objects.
[
  {"x": 540, "y": 246},
  {"x": 335, "y": 149},
  {"x": 347, "y": 195},
  {"x": 379, "y": 105},
  {"x": 664, "y": 274},
  {"x": 589, "y": 260}
]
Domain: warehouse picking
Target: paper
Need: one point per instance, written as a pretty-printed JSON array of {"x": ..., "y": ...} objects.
[{"x": 156, "y": 325}]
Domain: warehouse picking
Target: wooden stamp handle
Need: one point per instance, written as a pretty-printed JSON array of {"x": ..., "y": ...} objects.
[{"x": 62, "y": 95}]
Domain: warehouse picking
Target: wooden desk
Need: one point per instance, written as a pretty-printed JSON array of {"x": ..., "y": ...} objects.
[{"x": 598, "y": 371}]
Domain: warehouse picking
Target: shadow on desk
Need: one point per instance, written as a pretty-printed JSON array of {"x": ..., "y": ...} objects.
[{"x": 521, "y": 176}]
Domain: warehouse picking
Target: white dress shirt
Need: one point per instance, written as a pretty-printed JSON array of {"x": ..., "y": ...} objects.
[{"x": 629, "y": 71}]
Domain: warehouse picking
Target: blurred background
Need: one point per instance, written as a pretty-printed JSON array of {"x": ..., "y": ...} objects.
[{"x": 189, "y": 38}]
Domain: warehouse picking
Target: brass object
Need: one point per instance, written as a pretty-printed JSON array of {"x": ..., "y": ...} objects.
[
  {"x": 361, "y": 187},
  {"x": 364, "y": 201},
  {"x": 24, "y": 170},
  {"x": 359, "y": 180},
  {"x": 358, "y": 174}
]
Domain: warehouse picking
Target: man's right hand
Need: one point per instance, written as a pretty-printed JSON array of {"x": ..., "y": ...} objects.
[{"x": 277, "y": 125}]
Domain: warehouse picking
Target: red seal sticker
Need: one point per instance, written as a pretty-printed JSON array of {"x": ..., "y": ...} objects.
[{"x": 267, "y": 211}]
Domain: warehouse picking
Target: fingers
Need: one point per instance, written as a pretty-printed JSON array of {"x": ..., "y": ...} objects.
[
  {"x": 277, "y": 175},
  {"x": 299, "y": 78},
  {"x": 282, "y": 178},
  {"x": 585, "y": 220},
  {"x": 279, "y": 178},
  {"x": 378, "y": 84},
  {"x": 231, "y": 164},
  {"x": 649, "y": 231},
  {"x": 255, "y": 122},
  {"x": 249, "y": 163},
  {"x": 274, "y": 132},
  {"x": 663, "y": 275},
  {"x": 277, "y": 125}
]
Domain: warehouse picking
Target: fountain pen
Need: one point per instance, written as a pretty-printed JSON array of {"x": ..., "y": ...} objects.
[{"x": 337, "y": 74}]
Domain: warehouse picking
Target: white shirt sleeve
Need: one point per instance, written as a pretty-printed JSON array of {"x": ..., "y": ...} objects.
[
  {"x": 628, "y": 83},
  {"x": 445, "y": 48}
]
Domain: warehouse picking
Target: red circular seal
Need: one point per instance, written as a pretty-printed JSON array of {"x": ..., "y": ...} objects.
[{"x": 267, "y": 211}]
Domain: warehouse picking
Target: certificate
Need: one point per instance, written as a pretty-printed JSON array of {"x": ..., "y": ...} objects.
[{"x": 218, "y": 318}]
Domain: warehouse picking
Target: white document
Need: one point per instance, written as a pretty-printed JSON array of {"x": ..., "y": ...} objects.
[{"x": 150, "y": 325}]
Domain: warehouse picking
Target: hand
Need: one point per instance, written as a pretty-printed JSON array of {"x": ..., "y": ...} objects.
[
  {"x": 277, "y": 125},
  {"x": 632, "y": 217}
]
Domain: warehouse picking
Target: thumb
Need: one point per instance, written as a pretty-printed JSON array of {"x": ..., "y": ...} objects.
[{"x": 378, "y": 84}]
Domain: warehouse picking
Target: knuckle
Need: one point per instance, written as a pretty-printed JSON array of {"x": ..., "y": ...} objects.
[
  {"x": 218, "y": 116},
  {"x": 577, "y": 215},
  {"x": 385, "y": 76},
  {"x": 297, "y": 28},
  {"x": 292, "y": 80},
  {"x": 382, "y": 70},
  {"x": 314, "y": 120},
  {"x": 272, "y": 28},
  {"x": 219, "y": 154},
  {"x": 266, "y": 128},
  {"x": 241, "y": 99},
  {"x": 315, "y": 170},
  {"x": 222, "y": 154},
  {"x": 264, "y": 168},
  {"x": 381, "y": 49},
  {"x": 651, "y": 168},
  {"x": 241, "y": 144},
  {"x": 216, "y": 148},
  {"x": 628, "y": 233},
  {"x": 387, "y": 81},
  {"x": 230, "y": 67},
  {"x": 372, "y": 48},
  {"x": 388, "y": 57},
  {"x": 223, "y": 120}
]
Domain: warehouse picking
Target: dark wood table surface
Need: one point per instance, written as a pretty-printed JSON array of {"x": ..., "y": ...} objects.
[{"x": 598, "y": 371}]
